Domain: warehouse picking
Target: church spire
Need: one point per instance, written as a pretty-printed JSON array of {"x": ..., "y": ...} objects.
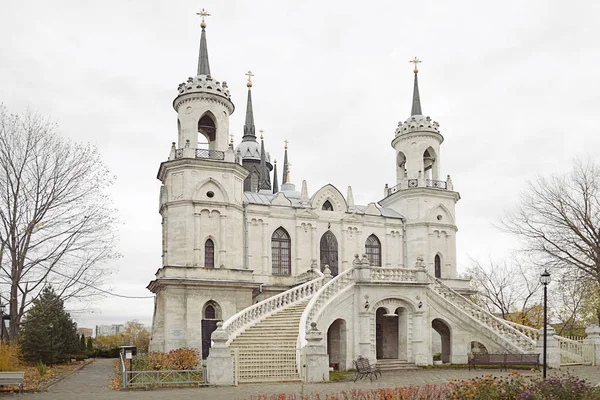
[
  {"x": 285, "y": 165},
  {"x": 275, "y": 183},
  {"x": 265, "y": 177},
  {"x": 203, "y": 66},
  {"x": 416, "y": 103},
  {"x": 249, "y": 129}
]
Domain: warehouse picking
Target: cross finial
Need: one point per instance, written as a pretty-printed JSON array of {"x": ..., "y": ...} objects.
[
  {"x": 415, "y": 61},
  {"x": 261, "y": 134},
  {"x": 203, "y": 14},
  {"x": 286, "y": 144},
  {"x": 231, "y": 137},
  {"x": 249, "y": 74}
]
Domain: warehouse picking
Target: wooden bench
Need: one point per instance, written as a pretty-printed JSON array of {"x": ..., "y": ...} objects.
[
  {"x": 12, "y": 378},
  {"x": 504, "y": 360},
  {"x": 365, "y": 369}
]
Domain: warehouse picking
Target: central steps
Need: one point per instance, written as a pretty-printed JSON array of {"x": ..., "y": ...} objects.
[
  {"x": 267, "y": 350},
  {"x": 395, "y": 365}
]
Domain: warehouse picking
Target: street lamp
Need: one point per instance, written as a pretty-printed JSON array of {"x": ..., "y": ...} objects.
[
  {"x": 545, "y": 280},
  {"x": 3, "y": 317},
  {"x": 51, "y": 326}
]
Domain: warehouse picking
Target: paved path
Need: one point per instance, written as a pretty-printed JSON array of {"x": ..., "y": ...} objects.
[{"x": 93, "y": 381}]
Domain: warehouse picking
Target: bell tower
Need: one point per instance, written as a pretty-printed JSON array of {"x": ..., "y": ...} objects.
[{"x": 420, "y": 194}]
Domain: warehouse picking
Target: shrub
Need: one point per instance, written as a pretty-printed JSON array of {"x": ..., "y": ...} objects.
[
  {"x": 178, "y": 359},
  {"x": 42, "y": 368},
  {"x": 437, "y": 357},
  {"x": 10, "y": 356}
]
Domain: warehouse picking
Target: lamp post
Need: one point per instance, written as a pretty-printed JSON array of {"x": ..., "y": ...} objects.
[
  {"x": 3, "y": 317},
  {"x": 51, "y": 326},
  {"x": 545, "y": 280}
]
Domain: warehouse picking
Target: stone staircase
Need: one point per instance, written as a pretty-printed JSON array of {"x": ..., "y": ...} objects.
[
  {"x": 394, "y": 365},
  {"x": 267, "y": 350}
]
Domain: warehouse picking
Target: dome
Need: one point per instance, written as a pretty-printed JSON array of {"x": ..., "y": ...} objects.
[
  {"x": 417, "y": 123},
  {"x": 250, "y": 150}
]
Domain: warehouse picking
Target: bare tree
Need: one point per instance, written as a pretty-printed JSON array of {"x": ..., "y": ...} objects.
[
  {"x": 558, "y": 221},
  {"x": 56, "y": 221},
  {"x": 506, "y": 288}
]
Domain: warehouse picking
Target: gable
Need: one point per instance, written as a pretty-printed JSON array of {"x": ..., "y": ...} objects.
[{"x": 333, "y": 195}]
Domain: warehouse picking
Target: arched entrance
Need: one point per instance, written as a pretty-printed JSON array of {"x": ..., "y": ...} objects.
[
  {"x": 444, "y": 332},
  {"x": 336, "y": 345},
  {"x": 211, "y": 314},
  {"x": 329, "y": 252},
  {"x": 391, "y": 341}
]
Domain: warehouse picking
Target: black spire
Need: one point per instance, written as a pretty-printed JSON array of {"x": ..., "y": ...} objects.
[
  {"x": 275, "y": 184},
  {"x": 265, "y": 177},
  {"x": 249, "y": 129},
  {"x": 203, "y": 66},
  {"x": 285, "y": 165},
  {"x": 416, "y": 103}
]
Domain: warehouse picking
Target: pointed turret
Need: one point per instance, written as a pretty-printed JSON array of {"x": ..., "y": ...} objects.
[
  {"x": 416, "y": 103},
  {"x": 265, "y": 177},
  {"x": 350, "y": 200},
  {"x": 203, "y": 66},
  {"x": 304, "y": 194},
  {"x": 275, "y": 183},
  {"x": 249, "y": 129},
  {"x": 285, "y": 164}
]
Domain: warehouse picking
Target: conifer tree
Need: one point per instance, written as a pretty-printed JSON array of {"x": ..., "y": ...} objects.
[
  {"x": 49, "y": 334},
  {"x": 82, "y": 345},
  {"x": 90, "y": 344}
]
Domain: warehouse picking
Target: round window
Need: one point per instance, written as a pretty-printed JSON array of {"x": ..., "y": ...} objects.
[
  {"x": 439, "y": 217},
  {"x": 210, "y": 194}
]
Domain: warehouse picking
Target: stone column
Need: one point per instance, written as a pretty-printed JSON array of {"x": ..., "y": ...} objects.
[
  {"x": 222, "y": 247},
  {"x": 266, "y": 247},
  {"x": 197, "y": 244},
  {"x": 298, "y": 243},
  {"x": 317, "y": 360},
  {"x": 387, "y": 244},
  {"x": 364, "y": 338},
  {"x": 419, "y": 336},
  {"x": 313, "y": 243},
  {"x": 219, "y": 362},
  {"x": 552, "y": 349},
  {"x": 593, "y": 336}
]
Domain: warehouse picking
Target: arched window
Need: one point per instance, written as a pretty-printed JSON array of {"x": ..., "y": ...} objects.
[
  {"x": 206, "y": 126},
  {"x": 327, "y": 206},
  {"x": 373, "y": 251},
  {"x": 209, "y": 254},
  {"x": 281, "y": 260},
  {"x": 254, "y": 180},
  {"x": 209, "y": 312},
  {"x": 438, "y": 266}
]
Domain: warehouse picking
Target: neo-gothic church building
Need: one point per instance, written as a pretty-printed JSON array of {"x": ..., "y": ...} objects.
[{"x": 275, "y": 263}]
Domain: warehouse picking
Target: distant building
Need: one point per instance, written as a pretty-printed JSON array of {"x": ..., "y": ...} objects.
[
  {"x": 109, "y": 330},
  {"x": 87, "y": 332}
]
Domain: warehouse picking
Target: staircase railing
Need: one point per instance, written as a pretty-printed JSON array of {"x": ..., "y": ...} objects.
[
  {"x": 575, "y": 351},
  {"x": 319, "y": 301},
  {"x": 248, "y": 317},
  {"x": 509, "y": 334},
  {"x": 532, "y": 333}
]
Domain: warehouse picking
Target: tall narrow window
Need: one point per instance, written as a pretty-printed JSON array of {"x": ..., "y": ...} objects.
[
  {"x": 373, "y": 251},
  {"x": 209, "y": 312},
  {"x": 209, "y": 254},
  {"x": 281, "y": 252},
  {"x": 438, "y": 266},
  {"x": 327, "y": 206}
]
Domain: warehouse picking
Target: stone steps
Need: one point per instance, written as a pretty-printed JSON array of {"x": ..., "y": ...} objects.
[
  {"x": 267, "y": 350},
  {"x": 395, "y": 365}
]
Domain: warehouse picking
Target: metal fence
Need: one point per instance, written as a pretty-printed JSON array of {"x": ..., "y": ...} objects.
[{"x": 162, "y": 377}]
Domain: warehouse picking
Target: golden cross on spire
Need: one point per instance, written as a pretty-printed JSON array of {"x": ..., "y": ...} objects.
[
  {"x": 203, "y": 14},
  {"x": 286, "y": 144},
  {"x": 231, "y": 137},
  {"x": 249, "y": 74},
  {"x": 415, "y": 61},
  {"x": 261, "y": 133}
]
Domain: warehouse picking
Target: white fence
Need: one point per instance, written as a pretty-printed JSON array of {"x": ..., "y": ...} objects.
[
  {"x": 267, "y": 365},
  {"x": 573, "y": 352}
]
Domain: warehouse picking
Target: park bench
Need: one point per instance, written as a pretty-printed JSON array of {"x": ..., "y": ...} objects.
[
  {"x": 504, "y": 360},
  {"x": 12, "y": 378},
  {"x": 365, "y": 369}
]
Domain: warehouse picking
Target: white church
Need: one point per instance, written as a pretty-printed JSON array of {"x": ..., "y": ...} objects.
[{"x": 290, "y": 278}]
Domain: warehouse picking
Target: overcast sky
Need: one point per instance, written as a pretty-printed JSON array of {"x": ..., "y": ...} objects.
[{"x": 514, "y": 85}]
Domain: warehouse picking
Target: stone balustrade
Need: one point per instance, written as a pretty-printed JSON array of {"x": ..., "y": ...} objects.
[
  {"x": 516, "y": 339},
  {"x": 248, "y": 317},
  {"x": 398, "y": 275}
]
